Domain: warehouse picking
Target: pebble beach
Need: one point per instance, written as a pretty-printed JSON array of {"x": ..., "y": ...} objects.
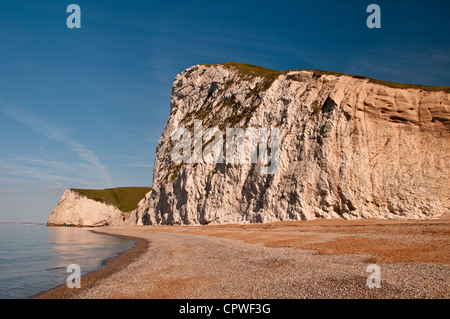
[{"x": 316, "y": 259}]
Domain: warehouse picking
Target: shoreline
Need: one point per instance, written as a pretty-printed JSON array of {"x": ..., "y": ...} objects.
[
  {"x": 110, "y": 266},
  {"x": 318, "y": 259}
]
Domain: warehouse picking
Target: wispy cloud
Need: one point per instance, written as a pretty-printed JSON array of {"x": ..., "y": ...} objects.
[
  {"x": 130, "y": 160},
  {"x": 16, "y": 171},
  {"x": 40, "y": 126},
  {"x": 52, "y": 189},
  {"x": 7, "y": 190}
]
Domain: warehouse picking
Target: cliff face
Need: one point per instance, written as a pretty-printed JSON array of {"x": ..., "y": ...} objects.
[
  {"x": 75, "y": 209},
  {"x": 347, "y": 148},
  {"x": 319, "y": 145}
]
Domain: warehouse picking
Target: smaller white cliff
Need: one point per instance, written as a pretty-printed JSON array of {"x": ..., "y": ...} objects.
[{"x": 75, "y": 209}]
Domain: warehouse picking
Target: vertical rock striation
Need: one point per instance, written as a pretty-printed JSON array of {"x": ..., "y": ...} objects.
[{"x": 348, "y": 148}]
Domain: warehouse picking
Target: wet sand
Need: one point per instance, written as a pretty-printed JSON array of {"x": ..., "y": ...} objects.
[{"x": 301, "y": 259}]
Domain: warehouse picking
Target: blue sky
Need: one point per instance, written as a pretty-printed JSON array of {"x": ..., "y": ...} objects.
[{"x": 84, "y": 108}]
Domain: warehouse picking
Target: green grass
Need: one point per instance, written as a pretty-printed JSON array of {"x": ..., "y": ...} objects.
[
  {"x": 387, "y": 83},
  {"x": 411, "y": 86},
  {"x": 249, "y": 71},
  {"x": 124, "y": 198},
  {"x": 252, "y": 71}
]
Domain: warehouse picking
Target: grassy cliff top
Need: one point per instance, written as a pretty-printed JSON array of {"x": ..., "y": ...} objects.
[
  {"x": 250, "y": 71},
  {"x": 124, "y": 198}
]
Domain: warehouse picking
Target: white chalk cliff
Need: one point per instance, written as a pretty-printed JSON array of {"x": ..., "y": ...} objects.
[
  {"x": 348, "y": 148},
  {"x": 77, "y": 210}
]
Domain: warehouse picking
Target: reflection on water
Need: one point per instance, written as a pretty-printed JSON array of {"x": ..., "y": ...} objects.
[
  {"x": 71, "y": 245},
  {"x": 34, "y": 258}
]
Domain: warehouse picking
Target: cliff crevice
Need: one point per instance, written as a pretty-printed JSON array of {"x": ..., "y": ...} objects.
[{"x": 349, "y": 147}]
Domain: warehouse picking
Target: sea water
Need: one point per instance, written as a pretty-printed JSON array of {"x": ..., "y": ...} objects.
[{"x": 34, "y": 258}]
